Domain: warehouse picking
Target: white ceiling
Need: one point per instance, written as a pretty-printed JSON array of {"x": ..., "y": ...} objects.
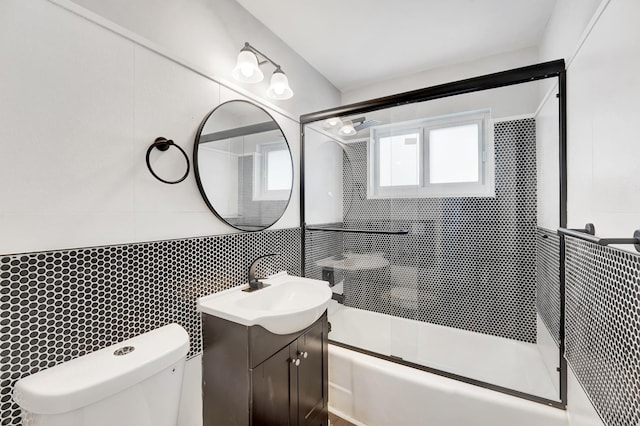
[{"x": 357, "y": 42}]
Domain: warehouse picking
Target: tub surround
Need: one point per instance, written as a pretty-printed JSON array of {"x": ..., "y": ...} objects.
[
  {"x": 375, "y": 392},
  {"x": 506, "y": 363}
]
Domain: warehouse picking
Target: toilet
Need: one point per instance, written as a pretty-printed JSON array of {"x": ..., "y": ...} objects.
[{"x": 133, "y": 383}]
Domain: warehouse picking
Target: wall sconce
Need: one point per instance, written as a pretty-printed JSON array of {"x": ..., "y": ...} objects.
[{"x": 247, "y": 70}]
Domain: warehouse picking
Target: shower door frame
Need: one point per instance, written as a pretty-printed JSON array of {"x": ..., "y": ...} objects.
[{"x": 514, "y": 76}]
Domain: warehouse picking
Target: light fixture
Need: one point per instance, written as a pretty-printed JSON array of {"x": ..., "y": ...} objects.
[
  {"x": 347, "y": 128},
  {"x": 279, "y": 87},
  {"x": 332, "y": 123},
  {"x": 247, "y": 70}
]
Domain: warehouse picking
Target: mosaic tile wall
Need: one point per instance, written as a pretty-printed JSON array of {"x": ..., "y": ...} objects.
[
  {"x": 548, "y": 280},
  {"x": 58, "y": 305},
  {"x": 465, "y": 262},
  {"x": 321, "y": 245},
  {"x": 603, "y": 328}
]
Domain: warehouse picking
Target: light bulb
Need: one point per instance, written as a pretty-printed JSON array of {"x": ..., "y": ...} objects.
[
  {"x": 279, "y": 87},
  {"x": 331, "y": 123},
  {"x": 347, "y": 129},
  {"x": 247, "y": 69}
]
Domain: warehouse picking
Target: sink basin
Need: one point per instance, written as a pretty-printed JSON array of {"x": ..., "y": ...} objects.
[{"x": 287, "y": 305}]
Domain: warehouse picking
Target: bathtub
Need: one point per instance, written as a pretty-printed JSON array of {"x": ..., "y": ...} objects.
[{"x": 371, "y": 391}]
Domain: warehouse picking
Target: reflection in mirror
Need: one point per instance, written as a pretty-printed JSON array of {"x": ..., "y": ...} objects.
[{"x": 243, "y": 166}]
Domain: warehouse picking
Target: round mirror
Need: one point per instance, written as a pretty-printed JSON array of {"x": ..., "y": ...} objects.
[{"x": 243, "y": 165}]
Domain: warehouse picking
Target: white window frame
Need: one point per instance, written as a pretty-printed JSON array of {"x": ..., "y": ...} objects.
[
  {"x": 484, "y": 187},
  {"x": 260, "y": 158},
  {"x": 404, "y": 191}
]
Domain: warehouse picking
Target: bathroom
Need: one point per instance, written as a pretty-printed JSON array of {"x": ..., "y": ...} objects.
[{"x": 95, "y": 250}]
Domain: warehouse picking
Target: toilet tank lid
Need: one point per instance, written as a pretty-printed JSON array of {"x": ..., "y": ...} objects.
[{"x": 97, "y": 375}]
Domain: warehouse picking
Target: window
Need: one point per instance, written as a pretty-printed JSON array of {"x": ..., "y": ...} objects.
[
  {"x": 398, "y": 159},
  {"x": 272, "y": 171},
  {"x": 278, "y": 170},
  {"x": 445, "y": 156}
]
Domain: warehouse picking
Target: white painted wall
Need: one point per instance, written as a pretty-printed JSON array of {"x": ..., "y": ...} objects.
[
  {"x": 564, "y": 31},
  {"x": 565, "y": 27},
  {"x": 603, "y": 91},
  {"x": 443, "y": 75},
  {"x": 80, "y": 104},
  {"x": 210, "y": 34}
]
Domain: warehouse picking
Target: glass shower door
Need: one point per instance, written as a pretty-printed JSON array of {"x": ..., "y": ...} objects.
[{"x": 434, "y": 224}]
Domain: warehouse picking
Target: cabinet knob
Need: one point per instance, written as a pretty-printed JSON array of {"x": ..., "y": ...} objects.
[
  {"x": 295, "y": 361},
  {"x": 303, "y": 354}
]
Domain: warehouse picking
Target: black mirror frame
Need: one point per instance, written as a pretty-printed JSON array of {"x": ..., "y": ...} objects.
[{"x": 196, "y": 170}]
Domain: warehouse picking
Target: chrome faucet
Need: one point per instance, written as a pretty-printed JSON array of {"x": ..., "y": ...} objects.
[{"x": 255, "y": 283}]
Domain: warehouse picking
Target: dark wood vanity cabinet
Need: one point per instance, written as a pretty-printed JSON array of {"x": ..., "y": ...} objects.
[
  {"x": 254, "y": 377},
  {"x": 297, "y": 368}
]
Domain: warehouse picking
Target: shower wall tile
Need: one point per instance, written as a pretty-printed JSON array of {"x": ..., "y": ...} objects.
[
  {"x": 58, "y": 305},
  {"x": 603, "y": 327},
  {"x": 319, "y": 246},
  {"x": 472, "y": 267},
  {"x": 548, "y": 280}
]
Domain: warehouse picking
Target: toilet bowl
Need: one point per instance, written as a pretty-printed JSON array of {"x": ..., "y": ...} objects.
[{"x": 133, "y": 383}]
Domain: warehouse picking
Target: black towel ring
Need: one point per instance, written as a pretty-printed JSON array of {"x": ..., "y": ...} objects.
[{"x": 163, "y": 144}]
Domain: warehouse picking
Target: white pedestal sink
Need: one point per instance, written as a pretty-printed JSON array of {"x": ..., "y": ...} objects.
[{"x": 287, "y": 305}]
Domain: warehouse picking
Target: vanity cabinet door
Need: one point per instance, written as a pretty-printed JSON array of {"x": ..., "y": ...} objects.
[
  {"x": 310, "y": 384},
  {"x": 253, "y": 377},
  {"x": 271, "y": 384},
  {"x": 288, "y": 388}
]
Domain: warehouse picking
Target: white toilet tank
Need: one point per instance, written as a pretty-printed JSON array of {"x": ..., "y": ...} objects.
[{"x": 134, "y": 383}]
